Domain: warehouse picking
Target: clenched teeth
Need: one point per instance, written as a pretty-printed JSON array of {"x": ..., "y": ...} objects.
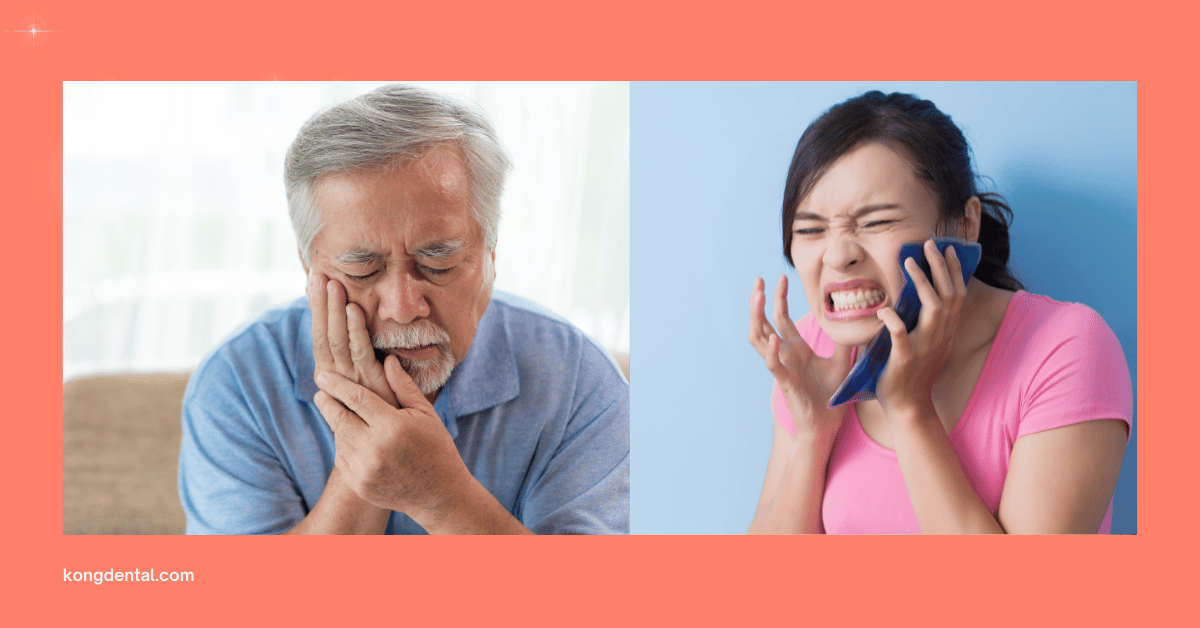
[{"x": 855, "y": 299}]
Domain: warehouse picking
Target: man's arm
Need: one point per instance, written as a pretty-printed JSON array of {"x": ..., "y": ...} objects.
[
  {"x": 231, "y": 479},
  {"x": 578, "y": 482},
  {"x": 342, "y": 344},
  {"x": 341, "y": 511},
  {"x": 404, "y": 459}
]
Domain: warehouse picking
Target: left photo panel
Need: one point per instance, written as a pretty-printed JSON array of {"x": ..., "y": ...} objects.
[{"x": 346, "y": 308}]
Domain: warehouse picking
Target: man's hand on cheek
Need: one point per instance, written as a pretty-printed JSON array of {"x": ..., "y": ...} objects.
[
  {"x": 401, "y": 459},
  {"x": 341, "y": 342}
]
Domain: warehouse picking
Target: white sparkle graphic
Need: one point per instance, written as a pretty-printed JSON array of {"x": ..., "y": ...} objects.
[{"x": 33, "y": 31}]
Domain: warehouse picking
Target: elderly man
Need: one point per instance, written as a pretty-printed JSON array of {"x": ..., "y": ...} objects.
[{"x": 486, "y": 414}]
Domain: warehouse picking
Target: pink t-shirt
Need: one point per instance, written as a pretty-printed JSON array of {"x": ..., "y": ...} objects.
[{"x": 1051, "y": 364}]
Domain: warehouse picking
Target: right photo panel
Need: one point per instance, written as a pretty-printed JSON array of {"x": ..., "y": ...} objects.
[{"x": 884, "y": 307}]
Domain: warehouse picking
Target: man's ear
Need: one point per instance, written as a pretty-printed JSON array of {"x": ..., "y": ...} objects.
[{"x": 972, "y": 216}]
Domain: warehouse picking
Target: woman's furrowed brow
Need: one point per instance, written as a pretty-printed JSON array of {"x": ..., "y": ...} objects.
[{"x": 858, "y": 213}]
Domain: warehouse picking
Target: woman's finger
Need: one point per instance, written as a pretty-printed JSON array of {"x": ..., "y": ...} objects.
[
  {"x": 842, "y": 358},
  {"x": 783, "y": 321},
  {"x": 939, "y": 270},
  {"x": 931, "y": 304},
  {"x": 773, "y": 361},
  {"x": 955, "y": 267},
  {"x": 901, "y": 352},
  {"x": 755, "y": 313},
  {"x": 760, "y": 329},
  {"x": 339, "y": 342}
]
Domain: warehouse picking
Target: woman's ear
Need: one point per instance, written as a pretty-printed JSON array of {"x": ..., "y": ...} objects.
[{"x": 972, "y": 216}]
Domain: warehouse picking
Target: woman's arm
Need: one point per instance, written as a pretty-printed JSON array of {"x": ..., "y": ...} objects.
[
  {"x": 794, "y": 485},
  {"x": 795, "y": 480},
  {"x": 1059, "y": 480},
  {"x": 942, "y": 497}
]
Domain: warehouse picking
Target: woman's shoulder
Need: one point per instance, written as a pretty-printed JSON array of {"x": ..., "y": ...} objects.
[
  {"x": 1041, "y": 318},
  {"x": 1046, "y": 338},
  {"x": 1067, "y": 364}
]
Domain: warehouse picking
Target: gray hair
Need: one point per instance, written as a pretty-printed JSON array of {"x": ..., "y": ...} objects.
[{"x": 392, "y": 123}]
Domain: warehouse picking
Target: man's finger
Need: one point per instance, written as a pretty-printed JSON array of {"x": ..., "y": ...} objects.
[
  {"x": 336, "y": 415},
  {"x": 361, "y": 351},
  {"x": 370, "y": 372},
  {"x": 405, "y": 388},
  {"x": 339, "y": 343},
  {"x": 317, "y": 304},
  {"x": 358, "y": 399}
]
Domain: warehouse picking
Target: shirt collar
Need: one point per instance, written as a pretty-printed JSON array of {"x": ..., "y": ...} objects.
[{"x": 486, "y": 378}]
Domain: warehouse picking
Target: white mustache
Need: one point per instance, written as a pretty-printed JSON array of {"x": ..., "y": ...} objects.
[{"x": 410, "y": 337}]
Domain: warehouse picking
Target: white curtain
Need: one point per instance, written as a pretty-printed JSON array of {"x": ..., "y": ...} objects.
[{"x": 175, "y": 227}]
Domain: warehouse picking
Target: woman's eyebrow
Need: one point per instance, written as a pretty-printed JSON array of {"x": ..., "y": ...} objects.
[
  {"x": 867, "y": 209},
  {"x": 858, "y": 213}
]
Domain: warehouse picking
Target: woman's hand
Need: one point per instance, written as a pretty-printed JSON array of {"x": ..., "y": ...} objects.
[
  {"x": 341, "y": 342},
  {"x": 807, "y": 380},
  {"x": 916, "y": 359}
]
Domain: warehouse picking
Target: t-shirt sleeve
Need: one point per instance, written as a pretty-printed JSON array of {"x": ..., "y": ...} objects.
[
  {"x": 1083, "y": 376},
  {"x": 230, "y": 479},
  {"x": 584, "y": 489}
]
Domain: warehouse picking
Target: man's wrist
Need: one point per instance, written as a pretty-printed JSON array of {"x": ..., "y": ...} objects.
[
  {"x": 342, "y": 511},
  {"x": 467, "y": 508}
]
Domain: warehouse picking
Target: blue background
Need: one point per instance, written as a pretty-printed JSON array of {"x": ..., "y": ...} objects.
[{"x": 708, "y": 164}]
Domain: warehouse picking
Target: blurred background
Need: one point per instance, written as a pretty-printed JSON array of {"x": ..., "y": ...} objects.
[
  {"x": 175, "y": 225},
  {"x": 709, "y": 162}
]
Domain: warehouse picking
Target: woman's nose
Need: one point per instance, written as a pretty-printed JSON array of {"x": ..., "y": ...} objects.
[{"x": 842, "y": 250}]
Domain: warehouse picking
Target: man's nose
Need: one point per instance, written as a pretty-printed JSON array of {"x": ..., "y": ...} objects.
[{"x": 402, "y": 298}]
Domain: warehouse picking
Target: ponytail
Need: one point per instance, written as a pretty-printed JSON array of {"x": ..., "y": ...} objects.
[{"x": 994, "y": 218}]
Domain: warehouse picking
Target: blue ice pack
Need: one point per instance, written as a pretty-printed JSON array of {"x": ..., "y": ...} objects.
[{"x": 864, "y": 375}]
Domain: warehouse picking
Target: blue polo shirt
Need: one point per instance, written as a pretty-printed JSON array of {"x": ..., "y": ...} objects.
[{"x": 539, "y": 412}]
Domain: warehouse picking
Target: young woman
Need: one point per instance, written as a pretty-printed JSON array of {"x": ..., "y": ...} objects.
[{"x": 1002, "y": 411}]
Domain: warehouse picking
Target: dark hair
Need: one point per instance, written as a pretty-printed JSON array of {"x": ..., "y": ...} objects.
[{"x": 939, "y": 154}]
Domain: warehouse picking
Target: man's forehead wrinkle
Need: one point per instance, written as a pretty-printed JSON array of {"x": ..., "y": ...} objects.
[{"x": 444, "y": 165}]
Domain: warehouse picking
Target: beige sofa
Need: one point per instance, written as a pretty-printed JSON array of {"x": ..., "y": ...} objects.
[{"x": 120, "y": 450}]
